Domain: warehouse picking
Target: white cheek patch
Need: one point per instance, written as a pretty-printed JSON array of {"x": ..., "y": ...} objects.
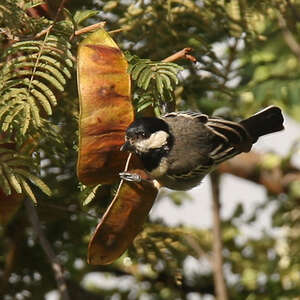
[{"x": 156, "y": 140}]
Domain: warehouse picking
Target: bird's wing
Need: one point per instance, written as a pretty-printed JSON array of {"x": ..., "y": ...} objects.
[
  {"x": 231, "y": 138},
  {"x": 188, "y": 114},
  {"x": 231, "y": 132}
]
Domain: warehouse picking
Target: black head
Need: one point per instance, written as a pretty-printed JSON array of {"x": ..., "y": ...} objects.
[
  {"x": 145, "y": 127},
  {"x": 146, "y": 133}
]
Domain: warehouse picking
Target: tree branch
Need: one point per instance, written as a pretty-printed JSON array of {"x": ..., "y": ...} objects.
[
  {"x": 56, "y": 266},
  {"x": 288, "y": 37},
  {"x": 250, "y": 166},
  {"x": 219, "y": 280},
  {"x": 184, "y": 53},
  {"x": 293, "y": 10},
  {"x": 90, "y": 28}
]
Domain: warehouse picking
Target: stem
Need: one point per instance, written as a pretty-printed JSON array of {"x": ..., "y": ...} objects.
[
  {"x": 184, "y": 53},
  {"x": 288, "y": 37},
  {"x": 249, "y": 166},
  {"x": 56, "y": 266},
  {"x": 293, "y": 10},
  {"x": 219, "y": 280},
  {"x": 90, "y": 28}
]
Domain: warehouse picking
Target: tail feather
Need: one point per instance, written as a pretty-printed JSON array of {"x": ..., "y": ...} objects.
[
  {"x": 241, "y": 136},
  {"x": 264, "y": 122}
]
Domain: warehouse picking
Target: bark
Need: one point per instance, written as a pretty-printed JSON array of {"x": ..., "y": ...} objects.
[
  {"x": 250, "y": 167},
  {"x": 46, "y": 246},
  {"x": 219, "y": 280}
]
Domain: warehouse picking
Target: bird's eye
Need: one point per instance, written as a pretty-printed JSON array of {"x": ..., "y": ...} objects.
[{"x": 141, "y": 134}]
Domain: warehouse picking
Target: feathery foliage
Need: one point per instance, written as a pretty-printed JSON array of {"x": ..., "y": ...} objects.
[
  {"x": 33, "y": 72},
  {"x": 156, "y": 81},
  {"x": 35, "y": 67},
  {"x": 14, "y": 170},
  {"x": 89, "y": 193},
  {"x": 159, "y": 243}
]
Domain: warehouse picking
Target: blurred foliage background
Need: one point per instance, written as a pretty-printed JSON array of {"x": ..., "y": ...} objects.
[{"x": 260, "y": 66}]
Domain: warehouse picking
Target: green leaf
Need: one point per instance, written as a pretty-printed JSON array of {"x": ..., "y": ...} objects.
[
  {"x": 174, "y": 68},
  {"x": 32, "y": 4},
  {"x": 42, "y": 100},
  {"x": 34, "y": 112},
  {"x": 166, "y": 81},
  {"x": 110, "y": 5},
  {"x": 6, "y": 107},
  {"x": 42, "y": 70},
  {"x": 14, "y": 182},
  {"x": 82, "y": 15},
  {"x": 144, "y": 79},
  {"x": 44, "y": 89},
  {"x": 90, "y": 197},
  {"x": 164, "y": 75},
  {"x": 50, "y": 78},
  {"x": 28, "y": 191},
  {"x": 8, "y": 119},
  {"x": 144, "y": 103},
  {"x": 170, "y": 74},
  {"x": 35, "y": 180},
  {"x": 137, "y": 69},
  {"x": 159, "y": 84}
]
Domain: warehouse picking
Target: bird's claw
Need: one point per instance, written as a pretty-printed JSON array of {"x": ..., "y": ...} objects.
[{"x": 130, "y": 177}]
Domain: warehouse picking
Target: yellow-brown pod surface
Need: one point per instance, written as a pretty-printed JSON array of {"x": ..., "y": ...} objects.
[
  {"x": 122, "y": 221},
  {"x": 105, "y": 109}
]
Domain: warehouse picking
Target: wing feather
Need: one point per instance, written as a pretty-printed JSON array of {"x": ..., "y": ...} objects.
[{"x": 229, "y": 139}]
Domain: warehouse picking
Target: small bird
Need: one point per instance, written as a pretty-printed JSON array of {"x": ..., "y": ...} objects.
[{"x": 180, "y": 148}]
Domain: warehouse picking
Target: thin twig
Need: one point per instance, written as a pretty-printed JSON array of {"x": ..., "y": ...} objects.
[
  {"x": 116, "y": 30},
  {"x": 127, "y": 162},
  {"x": 293, "y": 10},
  {"x": 192, "y": 241},
  {"x": 46, "y": 246},
  {"x": 48, "y": 29},
  {"x": 90, "y": 28},
  {"x": 231, "y": 58},
  {"x": 288, "y": 37},
  {"x": 43, "y": 32},
  {"x": 219, "y": 280},
  {"x": 184, "y": 53}
]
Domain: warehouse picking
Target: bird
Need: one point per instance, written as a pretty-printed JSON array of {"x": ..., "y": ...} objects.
[{"x": 180, "y": 148}]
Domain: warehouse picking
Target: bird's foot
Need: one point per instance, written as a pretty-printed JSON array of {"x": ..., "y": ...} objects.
[{"x": 133, "y": 177}]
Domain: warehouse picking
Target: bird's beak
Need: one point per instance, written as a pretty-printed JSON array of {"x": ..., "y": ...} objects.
[{"x": 127, "y": 147}]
